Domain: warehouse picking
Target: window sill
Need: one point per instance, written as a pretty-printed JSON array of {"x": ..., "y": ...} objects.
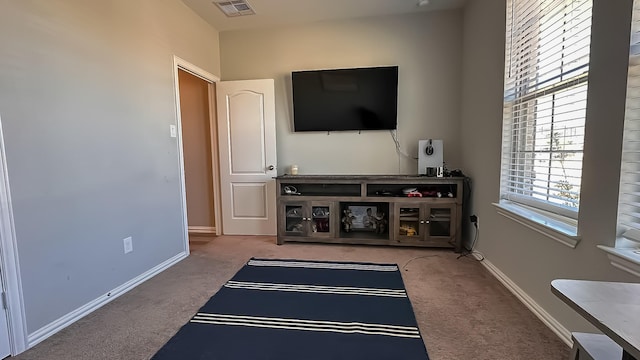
[
  {"x": 560, "y": 231},
  {"x": 626, "y": 259}
]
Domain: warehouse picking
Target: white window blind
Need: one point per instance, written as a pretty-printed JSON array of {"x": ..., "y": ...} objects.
[
  {"x": 545, "y": 100},
  {"x": 629, "y": 203}
]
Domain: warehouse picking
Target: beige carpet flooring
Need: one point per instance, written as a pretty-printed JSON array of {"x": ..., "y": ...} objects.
[{"x": 463, "y": 312}]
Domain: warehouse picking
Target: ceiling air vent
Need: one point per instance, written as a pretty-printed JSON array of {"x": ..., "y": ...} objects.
[{"x": 235, "y": 8}]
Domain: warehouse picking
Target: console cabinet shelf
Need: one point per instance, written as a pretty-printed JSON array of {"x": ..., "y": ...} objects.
[{"x": 372, "y": 210}]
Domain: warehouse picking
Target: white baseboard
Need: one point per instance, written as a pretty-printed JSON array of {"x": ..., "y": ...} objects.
[
  {"x": 68, "y": 319},
  {"x": 202, "y": 230},
  {"x": 545, "y": 317}
]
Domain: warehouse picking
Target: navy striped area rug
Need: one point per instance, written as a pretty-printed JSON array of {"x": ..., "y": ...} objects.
[{"x": 303, "y": 310}]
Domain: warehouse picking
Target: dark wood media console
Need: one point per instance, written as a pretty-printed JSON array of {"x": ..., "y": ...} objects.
[{"x": 372, "y": 210}]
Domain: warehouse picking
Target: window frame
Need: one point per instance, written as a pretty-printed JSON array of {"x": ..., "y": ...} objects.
[
  {"x": 625, "y": 254},
  {"x": 517, "y": 197}
]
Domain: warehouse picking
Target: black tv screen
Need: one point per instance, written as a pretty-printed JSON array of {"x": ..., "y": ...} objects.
[{"x": 345, "y": 99}]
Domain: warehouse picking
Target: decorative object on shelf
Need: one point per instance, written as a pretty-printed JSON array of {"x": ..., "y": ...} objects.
[
  {"x": 347, "y": 220},
  {"x": 409, "y": 190},
  {"x": 320, "y": 225},
  {"x": 294, "y": 169},
  {"x": 380, "y": 222},
  {"x": 320, "y": 212},
  {"x": 294, "y": 212},
  {"x": 429, "y": 193},
  {"x": 297, "y": 227},
  {"x": 408, "y": 230},
  {"x": 291, "y": 190},
  {"x": 363, "y": 217}
]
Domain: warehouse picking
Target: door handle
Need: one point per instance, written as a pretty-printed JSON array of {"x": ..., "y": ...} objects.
[{"x": 271, "y": 167}]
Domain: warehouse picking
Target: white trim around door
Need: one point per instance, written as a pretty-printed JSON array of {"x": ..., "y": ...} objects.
[
  {"x": 180, "y": 64},
  {"x": 204, "y": 230},
  {"x": 10, "y": 263}
]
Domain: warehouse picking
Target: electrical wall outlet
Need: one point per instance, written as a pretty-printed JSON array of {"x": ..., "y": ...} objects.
[
  {"x": 474, "y": 220},
  {"x": 128, "y": 245}
]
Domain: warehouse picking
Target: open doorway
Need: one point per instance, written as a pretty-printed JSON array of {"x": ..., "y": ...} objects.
[
  {"x": 195, "y": 90},
  {"x": 197, "y": 153}
]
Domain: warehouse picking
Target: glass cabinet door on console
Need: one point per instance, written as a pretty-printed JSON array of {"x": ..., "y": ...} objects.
[
  {"x": 294, "y": 220},
  {"x": 309, "y": 219},
  {"x": 320, "y": 220},
  {"x": 408, "y": 226},
  {"x": 440, "y": 221},
  {"x": 429, "y": 224}
]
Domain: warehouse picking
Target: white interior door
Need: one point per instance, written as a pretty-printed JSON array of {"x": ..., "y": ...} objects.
[{"x": 247, "y": 143}]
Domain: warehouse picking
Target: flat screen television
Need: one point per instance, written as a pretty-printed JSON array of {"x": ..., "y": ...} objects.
[{"x": 345, "y": 99}]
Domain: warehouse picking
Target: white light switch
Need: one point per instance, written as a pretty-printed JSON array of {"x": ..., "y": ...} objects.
[
  {"x": 128, "y": 245},
  {"x": 173, "y": 131}
]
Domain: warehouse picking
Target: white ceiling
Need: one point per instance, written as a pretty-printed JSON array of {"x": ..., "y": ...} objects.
[{"x": 270, "y": 13}]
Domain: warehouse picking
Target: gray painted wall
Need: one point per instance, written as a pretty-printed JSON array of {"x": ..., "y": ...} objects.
[
  {"x": 456, "y": 93},
  {"x": 426, "y": 47},
  {"x": 87, "y": 97},
  {"x": 528, "y": 258}
]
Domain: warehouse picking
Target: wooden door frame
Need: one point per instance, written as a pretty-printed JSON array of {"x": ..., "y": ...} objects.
[
  {"x": 181, "y": 64},
  {"x": 11, "y": 280}
]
